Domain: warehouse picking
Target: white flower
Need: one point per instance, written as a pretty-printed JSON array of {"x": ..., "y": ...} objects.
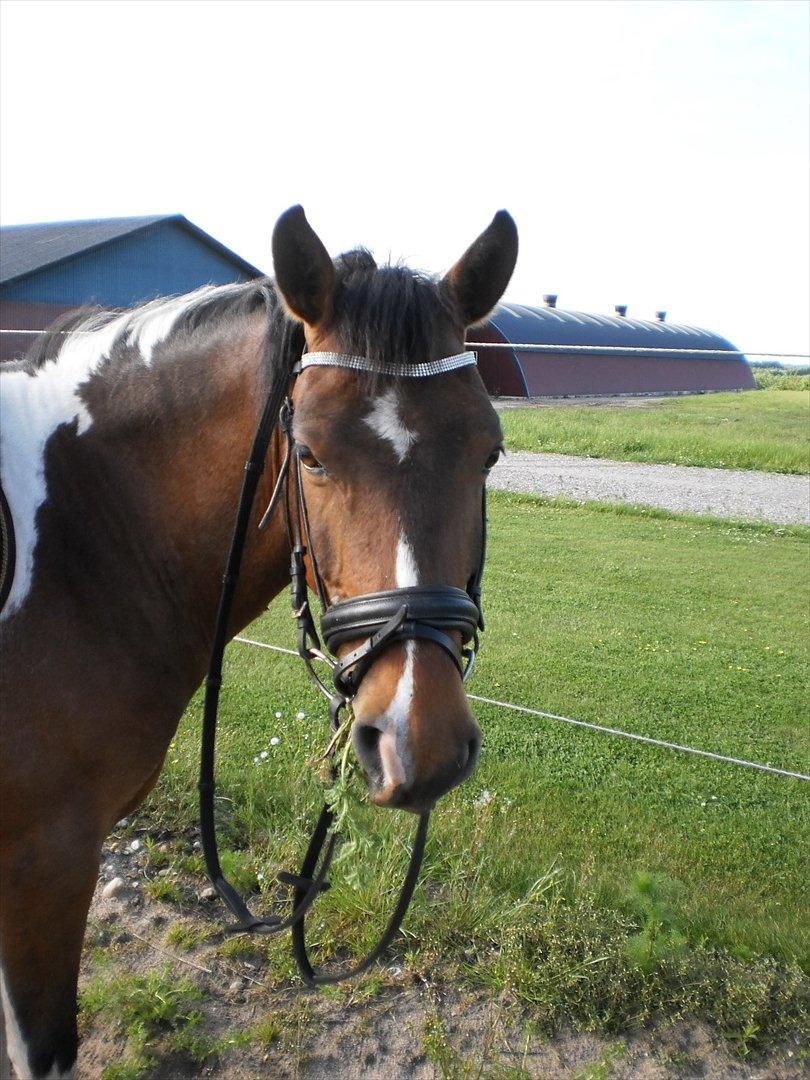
[
  {"x": 275, "y": 740},
  {"x": 300, "y": 716},
  {"x": 265, "y": 754},
  {"x": 278, "y": 714},
  {"x": 484, "y": 799}
]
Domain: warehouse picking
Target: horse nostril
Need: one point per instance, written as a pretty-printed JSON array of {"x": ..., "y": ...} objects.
[
  {"x": 473, "y": 746},
  {"x": 366, "y": 740}
]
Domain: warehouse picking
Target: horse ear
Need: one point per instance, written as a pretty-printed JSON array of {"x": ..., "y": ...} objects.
[
  {"x": 305, "y": 275},
  {"x": 479, "y": 278}
]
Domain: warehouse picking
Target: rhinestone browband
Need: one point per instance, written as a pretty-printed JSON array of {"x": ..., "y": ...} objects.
[{"x": 362, "y": 363}]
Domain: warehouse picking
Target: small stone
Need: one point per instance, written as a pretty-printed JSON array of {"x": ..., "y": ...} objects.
[
  {"x": 236, "y": 986},
  {"x": 136, "y": 845},
  {"x": 209, "y": 893},
  {"x": 113, "y": 888},
  {"x": 165, "y": 872}
]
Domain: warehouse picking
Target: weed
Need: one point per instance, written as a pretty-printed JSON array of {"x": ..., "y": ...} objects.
[
  {"x": 659, "y": 938},
  {"x": 188, "y": 935},
  {"x": 144, "y": 1007},
  {"x": 603, "y": 1068},
  {"x": 161, "y": 888},
  {"x": 438, "y": 1050}
]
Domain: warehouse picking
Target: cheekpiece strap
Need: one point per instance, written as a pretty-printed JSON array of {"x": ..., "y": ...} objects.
[{"x": 408, "y": 371}]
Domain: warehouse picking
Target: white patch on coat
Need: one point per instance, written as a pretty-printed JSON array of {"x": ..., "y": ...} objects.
[
  {"x": 152, "y": 324},
  {"x": 385, "y": 420},
  {"x": 16, "y": 1046},
  {"x": 55, "y": 1074},
  {"x": 33, "y": 406}
]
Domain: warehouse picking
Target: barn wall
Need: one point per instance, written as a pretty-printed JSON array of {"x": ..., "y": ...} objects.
[
  {"x": 25, "y": 315},
  {"x": 568, "y": 375},
  {"x": 160, "y": 260},
  {"x": 499, "y": 368}
]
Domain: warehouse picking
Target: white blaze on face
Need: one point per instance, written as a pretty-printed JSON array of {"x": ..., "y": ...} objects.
[
  {"x": 32, "y": 407},
  {"x": 385, "y": 420},
  {"x": 394, "y": 753},
  {"x": 406, "y": 564}
]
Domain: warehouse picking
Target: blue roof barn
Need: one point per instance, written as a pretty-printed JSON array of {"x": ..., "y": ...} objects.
[{"x": 50, "y": 268}]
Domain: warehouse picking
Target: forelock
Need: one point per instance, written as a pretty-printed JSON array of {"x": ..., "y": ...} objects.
[{"x": 389, "y": 313}]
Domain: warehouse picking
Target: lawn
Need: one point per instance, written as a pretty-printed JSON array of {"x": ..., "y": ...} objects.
[
  {"x": 763, "y": 429},
  {"x": 593, "y": 879}
]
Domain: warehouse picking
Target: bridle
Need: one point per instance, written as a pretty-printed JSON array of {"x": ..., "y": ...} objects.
[{"x": 378, "y": 619}]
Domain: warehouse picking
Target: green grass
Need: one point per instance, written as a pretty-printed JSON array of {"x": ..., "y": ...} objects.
[
  {"x": 144, "y": 1008},
  {"x": 602, "y": 880},
  {"x": 768, "y": 429}
]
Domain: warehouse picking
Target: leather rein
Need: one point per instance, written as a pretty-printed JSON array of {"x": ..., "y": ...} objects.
[{"x": 379, "y": 619}]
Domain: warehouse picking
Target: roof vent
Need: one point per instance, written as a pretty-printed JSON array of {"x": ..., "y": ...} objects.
[
  {"x": 620, "y": 309},
  {"x": 661, "y": 316},
  {"x": 550, "y": 299}
]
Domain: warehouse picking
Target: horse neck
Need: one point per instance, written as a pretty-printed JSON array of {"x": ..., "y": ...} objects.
[{"x": 176, "y": 482}]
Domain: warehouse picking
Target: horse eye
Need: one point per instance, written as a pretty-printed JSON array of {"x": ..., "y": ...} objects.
[
  {"x": 492, "y": 460},
  {"x": 310, "y": 462}
]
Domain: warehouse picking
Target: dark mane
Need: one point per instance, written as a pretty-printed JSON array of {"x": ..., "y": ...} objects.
[{"x": 388, "y": 313}]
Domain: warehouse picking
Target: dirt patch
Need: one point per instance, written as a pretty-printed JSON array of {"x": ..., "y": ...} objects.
[{"x": 249, "y": 1023}]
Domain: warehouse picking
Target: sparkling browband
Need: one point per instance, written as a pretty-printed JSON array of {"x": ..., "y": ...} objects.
[{"x": 362, "y": 363}]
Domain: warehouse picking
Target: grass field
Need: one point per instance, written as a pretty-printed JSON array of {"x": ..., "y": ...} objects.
[
  {"x": 767, "y": 429},
  {"x": 594, "y": 880}
]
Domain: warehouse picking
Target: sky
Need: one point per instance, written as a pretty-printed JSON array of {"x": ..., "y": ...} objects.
[{"x": 652, "y": 153}]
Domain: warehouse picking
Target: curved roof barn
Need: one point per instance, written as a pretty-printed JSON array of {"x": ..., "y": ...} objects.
[{"x": 621, "y": 355}]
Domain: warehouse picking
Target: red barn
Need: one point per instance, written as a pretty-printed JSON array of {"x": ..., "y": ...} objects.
[{"x": 636, "y": 357}]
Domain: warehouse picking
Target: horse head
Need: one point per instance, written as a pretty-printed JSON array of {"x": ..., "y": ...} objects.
[{"x": 392, "y": 472}]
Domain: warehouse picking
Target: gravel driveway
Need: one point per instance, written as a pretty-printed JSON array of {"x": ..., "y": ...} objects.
[{"x": 732, "y": 493}]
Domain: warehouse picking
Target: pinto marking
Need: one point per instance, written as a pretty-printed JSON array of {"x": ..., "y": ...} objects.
[
  {"x": 17, "y": 1046},
  {"x": 34, "y": 405},
  {"x": 385, "y": 420}
]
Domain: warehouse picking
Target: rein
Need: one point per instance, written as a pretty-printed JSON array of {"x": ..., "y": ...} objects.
[{"x": 382, "y": 618}]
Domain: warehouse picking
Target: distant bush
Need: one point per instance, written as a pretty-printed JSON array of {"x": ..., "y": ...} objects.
[{"x": 776, "y": 379}]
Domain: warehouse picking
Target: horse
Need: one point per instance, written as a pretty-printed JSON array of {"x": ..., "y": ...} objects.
[{"x": 123, "y": 441}]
